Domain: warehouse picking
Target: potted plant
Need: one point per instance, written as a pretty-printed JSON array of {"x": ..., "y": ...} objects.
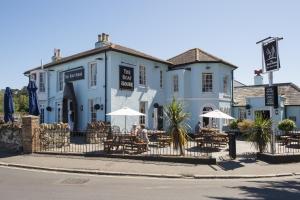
[
  {"x": 260, "y": 133},
  {"x": 177, "y": 126},
  {"x": 286, "y": 125}
]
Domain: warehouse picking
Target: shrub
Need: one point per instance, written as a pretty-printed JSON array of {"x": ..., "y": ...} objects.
[
  {"x": 245, "y": 125},
  {"x": 286, "y": 125},
  {"x": 233, "y": 124}
]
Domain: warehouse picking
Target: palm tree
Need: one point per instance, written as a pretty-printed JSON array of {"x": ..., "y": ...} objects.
[
  {"x": 260, "y": 133},
  {"x": 177, "y": 126}
]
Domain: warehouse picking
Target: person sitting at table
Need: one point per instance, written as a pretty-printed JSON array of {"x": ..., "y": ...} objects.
[
  {"x": 134, "y": 130},
  {"x": 143, "y": 136}
]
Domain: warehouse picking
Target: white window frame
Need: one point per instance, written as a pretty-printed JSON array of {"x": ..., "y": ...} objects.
[
  {"x": 92, "y": 111},
  {"x": 42, "y": 82},
  {"x": 175, "y": 83},
  {"x": 58, "y": 112},
  {"x": 60, "y": 81},
  {"x": 225, "y": 85},
  {"x": 143, "y": 109},
  {"x": 142, "y": 75},
  {"x": 207, "y": 82},
  {"x": 42, "y": 114},
  {"x": 92, "y": 75},
  {"x": 242, "y": 113}
]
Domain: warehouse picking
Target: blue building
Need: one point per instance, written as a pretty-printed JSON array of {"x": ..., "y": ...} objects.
[{"x": 84, "y": 87}]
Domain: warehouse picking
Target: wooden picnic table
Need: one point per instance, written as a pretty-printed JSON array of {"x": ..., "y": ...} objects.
[{"x": 126, "y": 141}]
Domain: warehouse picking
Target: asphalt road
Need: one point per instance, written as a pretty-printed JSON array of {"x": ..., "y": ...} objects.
[{"x": 39, "y": 185}]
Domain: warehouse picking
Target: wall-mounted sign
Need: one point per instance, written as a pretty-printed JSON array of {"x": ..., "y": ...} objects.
[
  {"x": 74, "y": 75},
  {"x": 126, "y": 78},
  {"x": 271, "y": 57},
  {"x": 271, "y": 96}
]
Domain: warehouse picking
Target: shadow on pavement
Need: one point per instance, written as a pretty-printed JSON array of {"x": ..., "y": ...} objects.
[
  {"x": 268, "y": 190},
  {"x": 234, "y": 164}
]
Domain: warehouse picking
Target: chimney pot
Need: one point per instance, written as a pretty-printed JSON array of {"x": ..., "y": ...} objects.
[{"x": 99, "y": 38}]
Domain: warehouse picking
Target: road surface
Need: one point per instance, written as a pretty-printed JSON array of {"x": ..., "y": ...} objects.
[{"x": 40, "y": 185}]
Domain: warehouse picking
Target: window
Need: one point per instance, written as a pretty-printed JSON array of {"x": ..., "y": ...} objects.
[
  {"x": 92, "y": 110},
  {"x": 58, "y": 112},
  {"x": 142, "y": 75},
  {"x": 207, "y": 84},
  {"x": 175, "y": 83},
  {"x": 143, "y": 110},
  {"x": 42, "y": 82},
  {"x": 161, "y": 79},
  {"x": 92, "y": 74},
  {"x": 33, "y": 77},
  {"x": 225, "y": 85},
  {"x": 293, "y": 118},
  {"x": 242, "y": 113},
  {"x": 60, "y": 81},
  {"x": 42, "y": 114}
]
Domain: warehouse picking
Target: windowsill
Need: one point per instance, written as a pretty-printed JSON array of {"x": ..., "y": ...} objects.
[{"x": 92, "y": 87}]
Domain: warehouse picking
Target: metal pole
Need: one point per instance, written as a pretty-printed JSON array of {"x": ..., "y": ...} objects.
[{"x": 271, "y": 116}]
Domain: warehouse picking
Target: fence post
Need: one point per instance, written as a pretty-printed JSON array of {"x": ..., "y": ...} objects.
[{"x": 29, "y": 134}]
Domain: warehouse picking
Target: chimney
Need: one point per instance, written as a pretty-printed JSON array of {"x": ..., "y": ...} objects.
[
  {"x": 103, "y": 40},
  {"x": 56, "y": 56},
  {"x": 258, "y": 79}
]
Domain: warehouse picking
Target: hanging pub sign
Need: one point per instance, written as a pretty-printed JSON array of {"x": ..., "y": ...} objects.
[
  {"x": 74, "y": 75},
  {"x": 126, "y": 78},
  {"x": 271, "y": 57},
  {"x": 271, "y": 96}
]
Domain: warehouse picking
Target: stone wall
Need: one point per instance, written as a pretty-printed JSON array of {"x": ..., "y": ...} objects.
[
  {"x": 54, "y": 136},
  {"x": 11, "y": 137},
  {"x": 97, "y": 131}
]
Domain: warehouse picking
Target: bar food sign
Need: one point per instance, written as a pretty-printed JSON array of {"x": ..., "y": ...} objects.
[
  {"x": 271, "y": 96},
  {"x": 126, "y": 78},
  {"x": 271, "y": 57},
  {"x": 74, "y": 75}
]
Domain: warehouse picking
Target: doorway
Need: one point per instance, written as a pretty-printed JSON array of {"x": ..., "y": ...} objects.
[
  {"x": 206, "y": 122},
  {"x": 70, "y": 107}
]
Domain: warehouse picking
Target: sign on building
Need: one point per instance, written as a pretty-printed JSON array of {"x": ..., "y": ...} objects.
[
  {"x": 271, "y": 96},
  {"x": 126, "y": 78},
  {"x": 74, "y": 75},
  {"x": 271, "y": 57}
]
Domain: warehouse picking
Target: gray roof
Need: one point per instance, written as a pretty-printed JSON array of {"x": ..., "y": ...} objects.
[
  {"x": 197, "y": 55},
  {"x": 289, "y": 91},
  {"x": 111, "y": 47}
]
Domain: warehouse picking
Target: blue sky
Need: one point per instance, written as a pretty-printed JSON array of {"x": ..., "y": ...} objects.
[{"x": 31, "y": 29}]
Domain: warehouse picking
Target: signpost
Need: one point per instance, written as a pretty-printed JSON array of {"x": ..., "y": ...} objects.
[
  {"x": 271, "y": 63},
  {"x": 126, "y": 78},
  {"x": 74, "y": 75},
  {"x": 271, "y": 96}
]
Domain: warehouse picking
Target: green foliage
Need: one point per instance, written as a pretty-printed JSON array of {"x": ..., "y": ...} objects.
[
  {"x": 245, "y": 125},
  {"x": 260, "y": 133},
  {"x": 177, "y": 125},
  {"x": 20, "y": 98},
  {"x": 233, "y": 124},
  {"x": 286, "y": 125}
]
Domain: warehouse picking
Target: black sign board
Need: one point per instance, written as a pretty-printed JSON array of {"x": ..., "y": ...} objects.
[
  {"x": 126, "y": 78},
  {"x": 271, "y": 96},
  {"x": 270, "y": 51},
  {"x": 74, "y": 75}
]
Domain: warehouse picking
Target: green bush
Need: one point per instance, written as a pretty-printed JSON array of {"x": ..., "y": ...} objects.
[
  {"x": 286, "y": 125},
  {"x": 245, "y": 125},
  {"x": 233, "y": 124}
]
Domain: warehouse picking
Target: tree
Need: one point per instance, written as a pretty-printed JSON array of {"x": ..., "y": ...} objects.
[
  {"x": 177, "y": 126},
  {"x": 260, "y": 133}
]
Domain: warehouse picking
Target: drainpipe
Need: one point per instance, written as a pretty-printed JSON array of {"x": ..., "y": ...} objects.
[
  {"x": 105, "y": 86},
  {"x": 232, "y": 103}
]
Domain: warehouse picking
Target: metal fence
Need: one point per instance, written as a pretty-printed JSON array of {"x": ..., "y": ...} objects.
[
  {"x": 97, "y": 142},
  {"x": 286, "y": 142}
]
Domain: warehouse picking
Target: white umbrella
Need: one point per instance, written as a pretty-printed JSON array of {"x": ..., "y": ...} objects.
[
  {"x": 125, "y": 111},
  {"x": 216, "y": 114}
]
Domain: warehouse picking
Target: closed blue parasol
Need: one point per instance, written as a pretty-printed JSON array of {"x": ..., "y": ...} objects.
[
  {"x": 8, "y": 106},
  {"x": 33, "y": 104}
]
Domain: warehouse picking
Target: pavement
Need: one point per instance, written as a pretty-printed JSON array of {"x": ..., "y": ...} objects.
[{"x": 242, "y": 167}]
